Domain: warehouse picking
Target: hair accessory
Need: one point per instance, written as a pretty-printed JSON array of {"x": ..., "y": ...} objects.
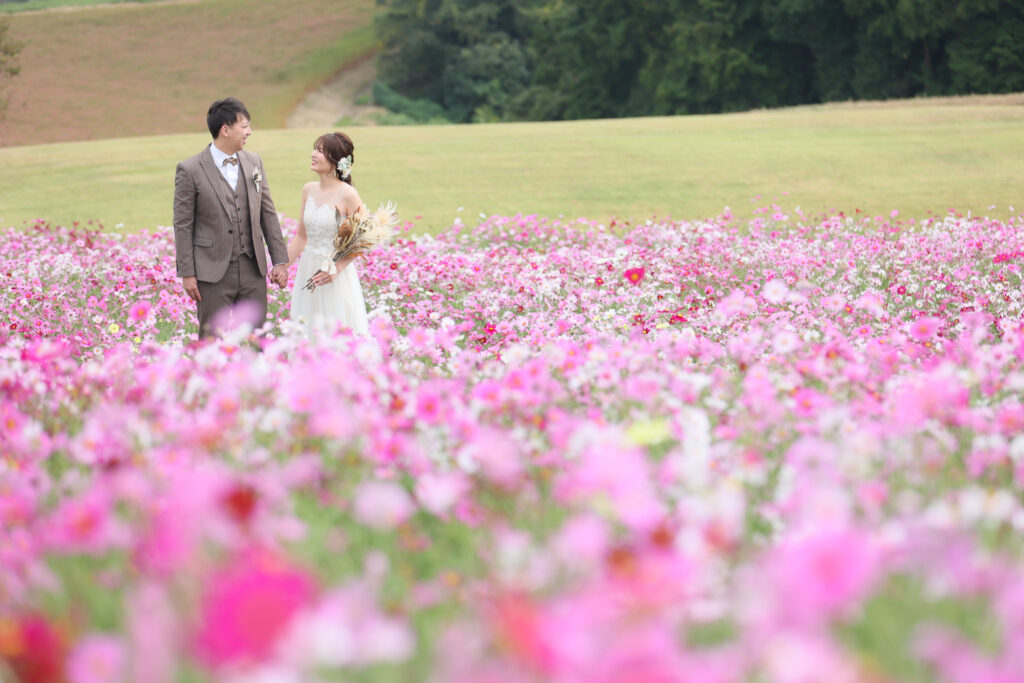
[{"x": 345, "y": 167}]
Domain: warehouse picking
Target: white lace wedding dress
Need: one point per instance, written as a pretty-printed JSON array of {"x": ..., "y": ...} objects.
[{"x": 339, "y": 303}]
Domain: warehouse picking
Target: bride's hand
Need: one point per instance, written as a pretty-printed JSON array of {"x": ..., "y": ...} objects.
[{"x": 323, "y": 278}]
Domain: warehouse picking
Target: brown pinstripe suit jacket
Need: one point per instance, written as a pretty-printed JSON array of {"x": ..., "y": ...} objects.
[{"x": 202, "y": 218}]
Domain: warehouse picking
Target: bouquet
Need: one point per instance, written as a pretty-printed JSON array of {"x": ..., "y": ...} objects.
[{"x": 357, "y": 234}]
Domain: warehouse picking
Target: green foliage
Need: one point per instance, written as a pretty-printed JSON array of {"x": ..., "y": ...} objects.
[
  {"x": 884, "y": 632},
  {"x": 404, "y": 108},
  {"x": 722, "y": 58},
  {"x": 989, "y": 58},
  {"x": 467, "y": 55},
  {"x": 492, "y": 60},
  {"x": 483, "y": 79}
]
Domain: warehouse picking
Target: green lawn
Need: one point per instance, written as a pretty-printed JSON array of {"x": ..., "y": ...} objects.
[{"x": 912, "y": 156}]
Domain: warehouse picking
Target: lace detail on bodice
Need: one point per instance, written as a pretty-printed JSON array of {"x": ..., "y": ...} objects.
[{"x": 320, "y": 228}]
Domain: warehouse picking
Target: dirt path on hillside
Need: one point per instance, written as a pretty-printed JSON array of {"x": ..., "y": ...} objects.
[
  {"x": 324, "y": 107},
  {"x": 102, "y": 5}
]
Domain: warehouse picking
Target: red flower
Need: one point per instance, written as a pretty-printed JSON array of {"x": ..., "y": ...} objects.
[
  {"x": 33, "y": 648},
  {"x": 240, "y": 502}
]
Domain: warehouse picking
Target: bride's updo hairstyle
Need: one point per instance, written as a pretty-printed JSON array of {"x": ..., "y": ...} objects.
[{"x": 335, "y": 147}]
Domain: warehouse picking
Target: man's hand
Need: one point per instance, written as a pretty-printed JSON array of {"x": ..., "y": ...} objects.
[
  {"x": 191, "y": 286},
  {"x": 279, "y": 275}
]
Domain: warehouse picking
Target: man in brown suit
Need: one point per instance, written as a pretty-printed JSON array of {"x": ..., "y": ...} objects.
[{"x": 223, "y": 215}]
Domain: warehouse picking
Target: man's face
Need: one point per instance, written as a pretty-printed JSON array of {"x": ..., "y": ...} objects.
[{"x": 235, "y": 135}]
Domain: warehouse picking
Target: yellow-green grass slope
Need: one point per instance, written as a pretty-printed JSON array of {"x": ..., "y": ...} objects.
[
  {"x": 140, "y": 69},
  {"x": 913, "y": 156}
]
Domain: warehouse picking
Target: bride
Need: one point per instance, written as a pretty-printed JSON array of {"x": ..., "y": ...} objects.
[{"x": 336, "y": 299}]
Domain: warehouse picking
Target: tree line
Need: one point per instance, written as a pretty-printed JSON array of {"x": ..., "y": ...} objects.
[{"x": 500, "y": 60}]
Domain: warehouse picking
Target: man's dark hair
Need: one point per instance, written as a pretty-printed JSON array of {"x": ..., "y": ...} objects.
[{"x": 225, "y": 113}]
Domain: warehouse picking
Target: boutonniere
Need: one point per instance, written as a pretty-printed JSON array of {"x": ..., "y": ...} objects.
[{"x": 257, "y": 178}]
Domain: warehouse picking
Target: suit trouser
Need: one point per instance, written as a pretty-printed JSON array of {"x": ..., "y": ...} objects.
[{"x": 242, "y": 282}]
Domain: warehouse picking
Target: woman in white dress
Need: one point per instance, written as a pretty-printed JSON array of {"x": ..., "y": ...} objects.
[{"x": 337, "y": 300}]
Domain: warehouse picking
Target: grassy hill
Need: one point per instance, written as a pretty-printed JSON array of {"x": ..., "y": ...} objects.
[
  {"x": 122, "y": 70},
  {"x": 915, "y": 156},
  {"x": 14, "y": 6}
]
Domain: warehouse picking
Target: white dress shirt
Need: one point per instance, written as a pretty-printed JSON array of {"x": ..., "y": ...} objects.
[{"x": 229, "y": 171}]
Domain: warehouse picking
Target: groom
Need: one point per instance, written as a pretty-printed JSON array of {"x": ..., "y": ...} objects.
[{"x": 223, "y": 214}]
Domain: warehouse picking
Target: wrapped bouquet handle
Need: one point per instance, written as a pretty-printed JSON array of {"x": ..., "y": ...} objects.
[{"x": 358, "y": 233}]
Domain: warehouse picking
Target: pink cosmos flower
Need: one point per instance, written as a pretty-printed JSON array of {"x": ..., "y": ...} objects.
[
  {"x": 243, "y": 316},
  {"x": 420, "y": 338},
  {"x": 615, "y": 476},
  {"x": 523, "y": 631},
  {"x": 438, "y": 492},
  {"x": 97, "y": 659},
  {"x": 786, "y": 341},
  {"x": 248, "y": 606},
  {"x": 382, "y": 505},
  {"x": 582, "y": 541},
  {"x": 822, "y": 575},
  {"x": 808, "y": 402},
  {"x": 736, "y": 303},
  {"x": 429, "y": 405},
  {"x": 643, "y": 655},
  {"x": 139, "y": 311},
  {"x": 496, "y": 457},
  {"x": 775, "y": 291},
  {"x": 634, "y": 275},
  {"x": 86, "y": 524},
  {"x": 924, "y": 328},
  {"x": 151, "y": 624}
]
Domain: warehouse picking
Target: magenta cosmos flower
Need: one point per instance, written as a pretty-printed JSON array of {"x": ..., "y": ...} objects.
[{"x": 248, "y": 606}]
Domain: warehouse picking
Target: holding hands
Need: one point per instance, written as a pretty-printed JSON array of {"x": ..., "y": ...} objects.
[{"x": 279, "y": 275}]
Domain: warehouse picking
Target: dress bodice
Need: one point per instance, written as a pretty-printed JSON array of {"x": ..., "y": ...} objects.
[{"x": 321, "y": 228}]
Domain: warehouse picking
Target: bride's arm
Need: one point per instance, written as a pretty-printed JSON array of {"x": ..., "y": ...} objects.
[
  {"x": 300, "y": 240},
  {"x": 350, "y": 203}
]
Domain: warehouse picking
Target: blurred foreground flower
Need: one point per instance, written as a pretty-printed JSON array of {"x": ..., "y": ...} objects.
[{"x": 247, "y": 607}]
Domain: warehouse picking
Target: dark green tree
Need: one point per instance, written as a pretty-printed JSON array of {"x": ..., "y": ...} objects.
[
  {"x": 481, "y": 82},
  {"x": 986, "y": 53},
  {"x": 721, "y": 57},
  {"x": 466, "y": 55},
  {"x": 823, "y": 44},
  {"x": 588, "y": 55},
  {"x": 571, "y": 59}
]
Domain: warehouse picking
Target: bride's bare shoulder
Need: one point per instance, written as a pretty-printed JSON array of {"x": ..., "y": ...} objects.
[{"x": 346, "y": 198}]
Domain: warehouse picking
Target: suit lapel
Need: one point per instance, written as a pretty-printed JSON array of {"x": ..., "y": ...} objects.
[
  {"x": 245, "y": 170},
  {"x": 217, "y": 183}
]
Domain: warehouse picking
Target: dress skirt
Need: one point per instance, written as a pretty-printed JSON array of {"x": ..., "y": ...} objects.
[{"x": 338, "y": 304}]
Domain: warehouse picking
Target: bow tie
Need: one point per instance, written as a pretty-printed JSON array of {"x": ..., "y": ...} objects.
[{"x": 230, "y": 160}]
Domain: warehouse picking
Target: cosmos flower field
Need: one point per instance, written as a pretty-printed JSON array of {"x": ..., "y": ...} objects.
[{"x": 782, "y": 450}]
